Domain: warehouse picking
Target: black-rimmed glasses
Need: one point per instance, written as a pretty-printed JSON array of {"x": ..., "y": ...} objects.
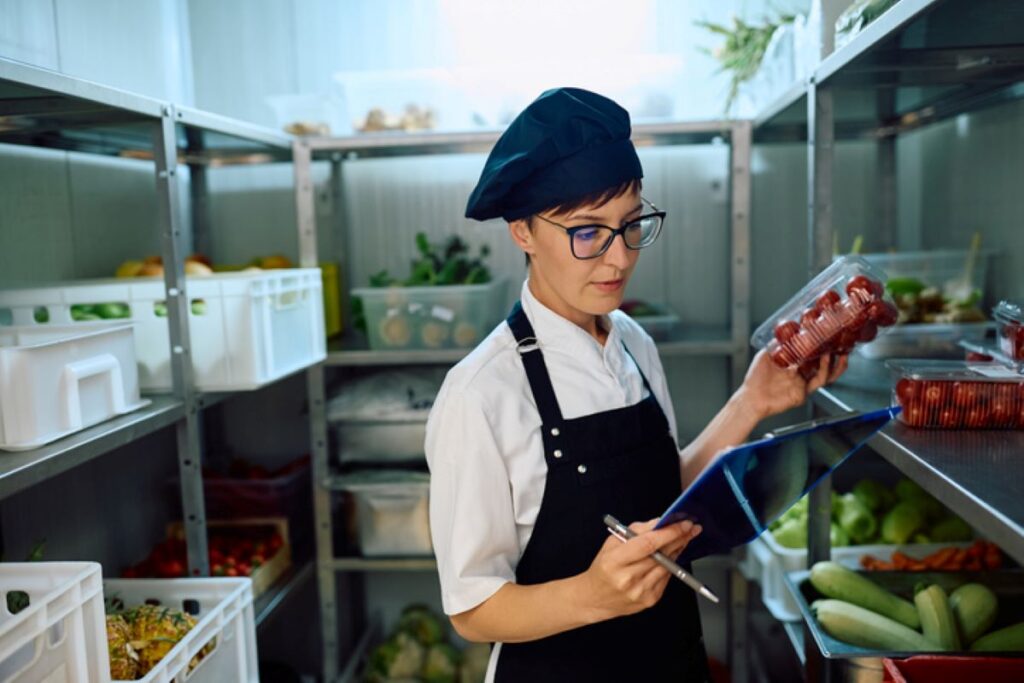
[{"x": 590, "y": 241}]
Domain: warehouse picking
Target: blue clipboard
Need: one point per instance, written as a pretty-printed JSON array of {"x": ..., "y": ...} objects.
[{"x": 748, "y": 487}]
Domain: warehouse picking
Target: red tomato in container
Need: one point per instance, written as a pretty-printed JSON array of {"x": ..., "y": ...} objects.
[
  {"x": 828, "y": 300},
  {"x": 949, "y": 417},
  {"x": 785, "y": 330},
  {"x": 809, "y": 318},
  {"x": 868, "y": 332},
  {"x": 1001, "y": 412},
  {"x": 967, "y": 394},
  {"x": 935, "y": 393},
  {"x": 908, "y": 391},
  {"x": 977, "y": 417},
  {"x": 860, "y": 283},
  {"x": 914, "y": 414}
]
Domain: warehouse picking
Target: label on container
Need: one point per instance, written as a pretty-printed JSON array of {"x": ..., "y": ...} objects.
[
  {"x": 994, "y": 371},
  {"x": 442, "y": 313}
]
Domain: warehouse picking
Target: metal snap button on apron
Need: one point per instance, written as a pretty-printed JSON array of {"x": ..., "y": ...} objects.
[
  {"x": 582, "y": 469},
  {"x": 557, "y": 454},
  {"x": 554, "y": 431}
]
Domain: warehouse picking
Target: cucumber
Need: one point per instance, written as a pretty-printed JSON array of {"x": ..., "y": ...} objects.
[
  {"x": 1009, "y": 639},
  {"x": 974, "y": 609},
  {"x": 936, "y": 617},
  {"x": 862, "y": 627},
  {"x": 835, "y": 581}
]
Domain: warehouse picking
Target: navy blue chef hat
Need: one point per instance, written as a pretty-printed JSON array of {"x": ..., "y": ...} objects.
[{"x": 567, "y": 144}]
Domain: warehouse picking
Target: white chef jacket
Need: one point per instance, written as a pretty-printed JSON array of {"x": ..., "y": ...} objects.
[{"x": 484, "y": 444}]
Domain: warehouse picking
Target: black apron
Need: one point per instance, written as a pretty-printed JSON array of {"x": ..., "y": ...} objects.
[{"x": 623, "y": 462}]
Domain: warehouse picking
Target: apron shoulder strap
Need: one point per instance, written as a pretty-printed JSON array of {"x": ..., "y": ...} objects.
[
  {"x": 533, "y": 363},
  {"x": 647, "y": 385}
]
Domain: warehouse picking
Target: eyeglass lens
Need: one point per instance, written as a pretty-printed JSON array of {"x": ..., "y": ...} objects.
[{"x": 592, "y": 241}]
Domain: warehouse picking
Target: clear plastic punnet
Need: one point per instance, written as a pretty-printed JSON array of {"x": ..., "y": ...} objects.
[
  {"x": 1011, "y": 329},
  {"x": 958, "y": 395},
  {"x": 845, "y": 305}
]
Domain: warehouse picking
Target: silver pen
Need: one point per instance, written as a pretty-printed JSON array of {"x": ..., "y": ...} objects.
[{"x": 624, "y": 533}]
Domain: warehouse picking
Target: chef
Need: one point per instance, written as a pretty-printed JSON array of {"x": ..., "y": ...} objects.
[{"x": 562, "y": 414}]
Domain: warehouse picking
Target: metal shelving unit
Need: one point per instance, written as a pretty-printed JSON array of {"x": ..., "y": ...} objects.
[
  {"x": 728, "y": 341},
  {"x": 43, "y": 108},
  {"x": 921, "y": 62}
]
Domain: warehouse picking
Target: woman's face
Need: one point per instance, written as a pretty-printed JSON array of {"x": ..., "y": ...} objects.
[{"x": 574, "y": 288}]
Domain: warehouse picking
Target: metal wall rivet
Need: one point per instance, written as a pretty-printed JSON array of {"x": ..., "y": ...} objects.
[
  {"x": 557, "y": 454},
  {"x": 179, "y": 349},
  {"x": 554, "y": 431},
  {"x": 582, "y": 469}
]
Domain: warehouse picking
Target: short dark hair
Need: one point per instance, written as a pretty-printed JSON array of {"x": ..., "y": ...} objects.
[{"x": 598, "y": 198}]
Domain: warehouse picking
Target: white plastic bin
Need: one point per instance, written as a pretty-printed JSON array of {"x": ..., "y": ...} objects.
[
  {"x": 223, "y": 609},
  {"x": 424, "y": 318},
  {"x": 247, "y": 329},
  {"x": 767, "y": 563},
  {"x": 61, "y": 636},
  {"x": 382, "y": 417},
  {"x": 56, "y": 380},
  {"x": 391, "y": 512}
]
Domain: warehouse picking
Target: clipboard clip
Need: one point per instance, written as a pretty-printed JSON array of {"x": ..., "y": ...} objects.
[{"x": 810, "y": 424}]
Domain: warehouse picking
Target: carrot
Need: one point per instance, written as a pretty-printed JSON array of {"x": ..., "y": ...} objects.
[
  {"x": 939, "y": 557},
  {"x": 900, "y": 561}
]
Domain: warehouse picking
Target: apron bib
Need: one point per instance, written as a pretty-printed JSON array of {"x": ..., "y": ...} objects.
[{"x": 623, "y": 462}]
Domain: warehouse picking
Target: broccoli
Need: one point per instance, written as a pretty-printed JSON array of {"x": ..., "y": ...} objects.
[
  {"x": 421, "y": 623},
  {"x": 442, "y": 664},
  {"x": 399, "y": 657}
]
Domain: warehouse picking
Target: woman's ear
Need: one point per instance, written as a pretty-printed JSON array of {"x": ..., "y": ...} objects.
[{"x": 522, "y": 235}]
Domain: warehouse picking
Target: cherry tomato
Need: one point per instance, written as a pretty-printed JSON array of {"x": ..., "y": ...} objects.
[
  {"x": 782, "y": 355},
  {"x": 949, "y": 417},
  {"x": 230, "y": 571},
  {"x": 829, "y": 299},
  {"x": 935, "y": 393},
  {"x": 914, "y": 415},
  {"x": 908, "y": 391},
  {"x": 785, "y": 330},
  {"x": 868, "y": 332},
  {"x": 977, "y": 417},
  {"x": 809, "y": 318},
  {"x": 1001, "y": 412},
  {"x": 862, "y": 284},
  {"x": 967, "y": 394}
]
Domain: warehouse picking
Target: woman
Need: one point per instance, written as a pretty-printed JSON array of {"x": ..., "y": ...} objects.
[{"x": 563, "y": 414}]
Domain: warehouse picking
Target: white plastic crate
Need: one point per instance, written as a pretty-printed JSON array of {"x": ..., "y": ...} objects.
[
  {"x": 247, "y": 329},
  {"x": 61, "y": 637},
  {"x": 767, "y": 562},
  {"x": 56, "y": 380},
  {"x": 223, "y": 609}
]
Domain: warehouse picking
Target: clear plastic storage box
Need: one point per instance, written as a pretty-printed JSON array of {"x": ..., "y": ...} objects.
[
  {"x": 842, "y": 306},
  {"x": 247, "y": 329},
  {"x": 382, "y": 417},
  {"x": 1011, "y": 329},
  {"x": 57, "y": 380},
  {"x": 223, "y": 611},
  {"x": 424, "y": 318},
  {"x": 958, "y": 395},
  {"x": 940, "y": 271},
  {"x": 392, "y": 517},
  {"x": 52, "y": 624}
]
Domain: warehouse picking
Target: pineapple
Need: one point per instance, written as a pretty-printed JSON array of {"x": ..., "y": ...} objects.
[
  {"x": 154, "y": 631},
  {"x": 124, "y": 661}
]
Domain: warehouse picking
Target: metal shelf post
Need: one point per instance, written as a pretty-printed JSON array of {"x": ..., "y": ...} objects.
[
  {"x": 172, "y": 237},
  {"x": 322, "y": 519}
]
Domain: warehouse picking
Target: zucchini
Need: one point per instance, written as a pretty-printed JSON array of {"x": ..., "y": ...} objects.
[
  {"x": 937, "y": 617},
  {"x": 862, "y": 627},
  {"x": 974, "y": 609},
  {"x": 1009, "y": 639},
  {"x": 835, "y": 581}
]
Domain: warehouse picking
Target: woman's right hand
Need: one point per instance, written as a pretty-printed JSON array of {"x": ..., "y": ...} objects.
[{"x": 624, "y": 579}]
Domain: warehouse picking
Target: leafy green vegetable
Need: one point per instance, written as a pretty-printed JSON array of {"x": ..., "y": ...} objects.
[
  {"x": 744, "y": 48},
  {"x": 450, "y": 265}
]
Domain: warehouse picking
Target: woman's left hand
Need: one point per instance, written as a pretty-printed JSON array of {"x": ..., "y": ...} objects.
[{"x": 768, "y": 389}]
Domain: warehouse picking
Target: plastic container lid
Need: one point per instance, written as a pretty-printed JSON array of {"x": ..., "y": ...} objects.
[
  {"x": 993, "y": 352},
  {"x": 389, "y": 396},
  {"x": 953, "y": 370},
  {"x": 842, "y": 306},
  {"x": 1007, "y": 312}
]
